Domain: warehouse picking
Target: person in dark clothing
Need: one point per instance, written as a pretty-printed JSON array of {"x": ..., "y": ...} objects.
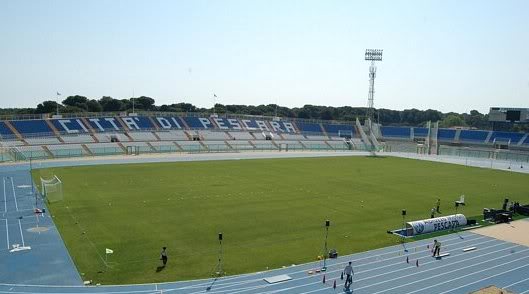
[
  {"x": 436, "y": 248},
  {"x": 163, "y": 256}
]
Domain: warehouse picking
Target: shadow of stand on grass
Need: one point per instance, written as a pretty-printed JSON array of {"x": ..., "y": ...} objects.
[{"x": 160, "y": 268}]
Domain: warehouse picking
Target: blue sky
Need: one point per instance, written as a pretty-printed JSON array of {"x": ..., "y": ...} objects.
[{"x": 445, "y": 55}]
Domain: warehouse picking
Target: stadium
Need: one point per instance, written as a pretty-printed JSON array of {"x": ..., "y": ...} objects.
[
  {"x": 267, "y": 184},
  {"x": 128, "y": 196}
]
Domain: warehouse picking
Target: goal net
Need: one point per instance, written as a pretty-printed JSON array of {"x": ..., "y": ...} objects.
[{"x": 52, "y": 189}]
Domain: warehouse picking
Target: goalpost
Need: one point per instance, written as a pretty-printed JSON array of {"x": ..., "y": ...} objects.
[{"x": 52, "y": 189}]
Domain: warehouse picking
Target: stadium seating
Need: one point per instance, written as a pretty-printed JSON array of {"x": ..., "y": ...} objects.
[
  {"x": 172, "y": 135},
  {"x": 473, "y": 136},
  {"x": 446, "y": 135},
  {"x": 288, "y": 136},
  {"x": 69, "y": 126},
  {"x": 241, "y": 135},
  {"x": 215, "y": 135},
  {"x": 142, "y": 136},
  {"x": 337, "y": 129},
  {"x": 420, "y": 132},
  {"x": 80, "y": 138},
  {"x": 396, "y": 132},
  {"x": 42, "y": 140},
  {"x": 5, "y": 132},
  {"x": 514, "y": 138},
  {"x": 309, "y": 128},
  {"x": 70, "y": 137},
  {"x": 32, "y": 127}
]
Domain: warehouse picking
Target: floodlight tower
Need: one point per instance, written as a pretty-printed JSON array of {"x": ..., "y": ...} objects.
[{"x": 372, "y": 55}]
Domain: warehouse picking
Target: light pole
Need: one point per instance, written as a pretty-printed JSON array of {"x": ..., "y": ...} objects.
[
  {"x": 325, "y": 249},
  {"x": 372, "y": 55}
]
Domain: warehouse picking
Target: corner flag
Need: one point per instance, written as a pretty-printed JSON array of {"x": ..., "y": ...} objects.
[{"x": 109, "y": 251}]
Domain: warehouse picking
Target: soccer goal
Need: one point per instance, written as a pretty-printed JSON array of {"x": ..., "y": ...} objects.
[{"x": 52, "y": 189}]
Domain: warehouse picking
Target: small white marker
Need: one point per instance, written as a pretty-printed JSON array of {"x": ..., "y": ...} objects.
[{"x": 469, "y": 249}]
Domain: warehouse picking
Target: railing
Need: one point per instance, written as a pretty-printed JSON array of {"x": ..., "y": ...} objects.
[{"x": 195, "y": 148}]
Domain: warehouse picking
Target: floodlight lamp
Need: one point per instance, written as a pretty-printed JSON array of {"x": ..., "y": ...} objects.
[{"x": 374, "y": 54}]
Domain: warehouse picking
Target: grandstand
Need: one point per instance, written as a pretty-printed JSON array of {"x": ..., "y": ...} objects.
[{"x": 110, "y": 134}]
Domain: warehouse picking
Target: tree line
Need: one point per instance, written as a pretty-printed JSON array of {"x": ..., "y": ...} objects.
[{"x": 408, "y": 117}]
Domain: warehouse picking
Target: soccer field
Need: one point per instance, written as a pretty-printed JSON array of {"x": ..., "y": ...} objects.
[{"x": 271, "y": 211}]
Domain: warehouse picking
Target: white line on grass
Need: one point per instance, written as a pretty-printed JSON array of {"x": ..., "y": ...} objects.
[
  {"x": 394, "y": 279},
  {"x": 366, "y": 278},
  {"x": 465, "y": 267}
]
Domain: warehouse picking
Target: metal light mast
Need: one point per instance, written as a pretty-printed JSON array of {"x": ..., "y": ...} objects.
[{"x": 372, "y": 55}]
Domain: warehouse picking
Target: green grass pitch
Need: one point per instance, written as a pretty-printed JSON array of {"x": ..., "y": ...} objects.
[{"x": 271, "y": 211}]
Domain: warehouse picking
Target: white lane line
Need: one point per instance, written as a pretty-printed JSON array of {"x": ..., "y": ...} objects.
[
  {"x": 21, "y": 234},
  {"x": 5, "y": 197},
  {"x": 366, "y": 278},
  {"x": 398, "y": 270},
  {"x": 486, "y": 278},
  {"x": 419, "y": 245},
  {"x": 465, "y": 267},
  {"x": 7, "y": 234},
  {"x": 516, "y": 283},
  {"x": 14, "y": 194}
]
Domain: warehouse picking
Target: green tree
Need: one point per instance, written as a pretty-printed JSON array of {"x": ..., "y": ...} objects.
[
  {"x": 110, "y": 104},
  {"x": 452, "y": 120},
  {"x": 76, "y": 101}
]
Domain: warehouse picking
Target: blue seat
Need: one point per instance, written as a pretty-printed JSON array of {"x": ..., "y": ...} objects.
[
  {"x": 69, "y": 126},
  {"x": 37, "y": 127},
  {"x": 169, "y": 122},
  {"x": 312, "y": 128},
  {"x": 105, "y": 124},
  {"x": 198, "y": 122},
  {"x": 335, "y": 129},
  {"x": 446, "y": 134},
  {"x": 420, "y": 132},
  {"x": 5, "y": 131},
  {"x": 396, "y": 132},
  {"x": 468, "y": 135},
  {"x": 505, "y": 136}
]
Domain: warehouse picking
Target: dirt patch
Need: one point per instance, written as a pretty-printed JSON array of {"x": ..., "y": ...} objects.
[
  {"x": 515, "y": 232},
  {"x": 492, "y": 290}
]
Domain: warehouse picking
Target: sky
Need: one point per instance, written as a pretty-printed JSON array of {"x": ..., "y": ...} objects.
[{"x": 448, "y": 55}]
